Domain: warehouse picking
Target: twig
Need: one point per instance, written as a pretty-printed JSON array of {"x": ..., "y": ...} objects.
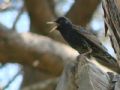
[
  {"x": 17, "y": 18},
  {"x": 15, "y": 76}
]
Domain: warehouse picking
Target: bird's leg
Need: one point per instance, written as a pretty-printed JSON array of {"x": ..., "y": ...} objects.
[
  {"x": 85, "y": 54},
  {"x": 88, "y": 52}
]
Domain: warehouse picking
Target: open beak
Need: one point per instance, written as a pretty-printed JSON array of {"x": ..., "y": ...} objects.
[
  {"x": 51, "y": 22},
  {"x": 54, "y": 28}
]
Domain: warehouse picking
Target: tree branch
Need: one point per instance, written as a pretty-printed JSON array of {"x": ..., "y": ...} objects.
[
  {"x": 83, "y": 75},
  {"x": 39, "y": 15},
  {"x": 43, "y": 85},
  {"x": 81, "y": 14},
  {"x": 36, "y": 51},
  {"x": 112, "y": 21}
]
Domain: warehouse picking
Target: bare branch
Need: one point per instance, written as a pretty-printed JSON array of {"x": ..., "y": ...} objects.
[
  {"x": 33, "y": 50},
  {"x": 14, "y": 77},
  {"x": 17, "y": 18},
  {"x": 81, "y": 14}
]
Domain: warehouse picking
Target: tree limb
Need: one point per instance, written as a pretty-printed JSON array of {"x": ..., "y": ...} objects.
[
  {"x": 36, "y": 51},
  {"x": 82, "y": 11},
  {"x": 83, "y": 75}
]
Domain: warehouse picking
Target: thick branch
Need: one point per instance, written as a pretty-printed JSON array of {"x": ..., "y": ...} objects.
[
  {"x": 39, "y": 15},
  {"x": 43, "y": 85},
  {"x": 83, "y": 75},
  {"x": 33, "y": 50},
  {"x": 82, "y": 11}
]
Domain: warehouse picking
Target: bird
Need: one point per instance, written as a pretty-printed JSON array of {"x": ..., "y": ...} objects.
[{"x": 83, "y": 41}]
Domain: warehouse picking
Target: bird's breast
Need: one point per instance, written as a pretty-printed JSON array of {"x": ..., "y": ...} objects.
[{"x": 75, "y": 40}]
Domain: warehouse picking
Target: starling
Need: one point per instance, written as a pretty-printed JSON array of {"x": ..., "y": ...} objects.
[{"x": 83, "y": 40}]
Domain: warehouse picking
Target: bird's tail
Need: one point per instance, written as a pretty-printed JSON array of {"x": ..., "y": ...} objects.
[{"x": 108, "y": 61}]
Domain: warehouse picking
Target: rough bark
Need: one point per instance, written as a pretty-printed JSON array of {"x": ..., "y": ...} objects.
[
  {"x": 112, "y": 21},
  {"x": 117, "y": 2},
  {"x": 83, "y": 75}
]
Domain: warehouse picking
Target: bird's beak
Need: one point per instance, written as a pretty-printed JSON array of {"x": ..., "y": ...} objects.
[
  {"x": 54, "y": 28},
  {"x": 52, "y": 22}
]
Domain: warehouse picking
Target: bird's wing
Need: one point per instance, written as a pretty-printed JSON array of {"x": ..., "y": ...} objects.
[{"x": 90, "y": 36}]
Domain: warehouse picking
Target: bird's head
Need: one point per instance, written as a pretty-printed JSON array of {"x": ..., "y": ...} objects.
[{"x": 60, "y": 22}]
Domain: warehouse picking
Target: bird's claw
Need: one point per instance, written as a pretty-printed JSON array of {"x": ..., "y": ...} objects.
[{"x": 84, "y": 54}]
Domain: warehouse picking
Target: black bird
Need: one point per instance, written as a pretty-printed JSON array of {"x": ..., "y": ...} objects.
[{"x": 84, "y": 41}]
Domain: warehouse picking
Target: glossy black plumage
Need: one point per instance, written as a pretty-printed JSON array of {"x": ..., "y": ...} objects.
[{"x": 83, "y": 40}]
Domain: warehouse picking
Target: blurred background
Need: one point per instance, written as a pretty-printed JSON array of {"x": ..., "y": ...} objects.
[{"x": 23, "y": 16}]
